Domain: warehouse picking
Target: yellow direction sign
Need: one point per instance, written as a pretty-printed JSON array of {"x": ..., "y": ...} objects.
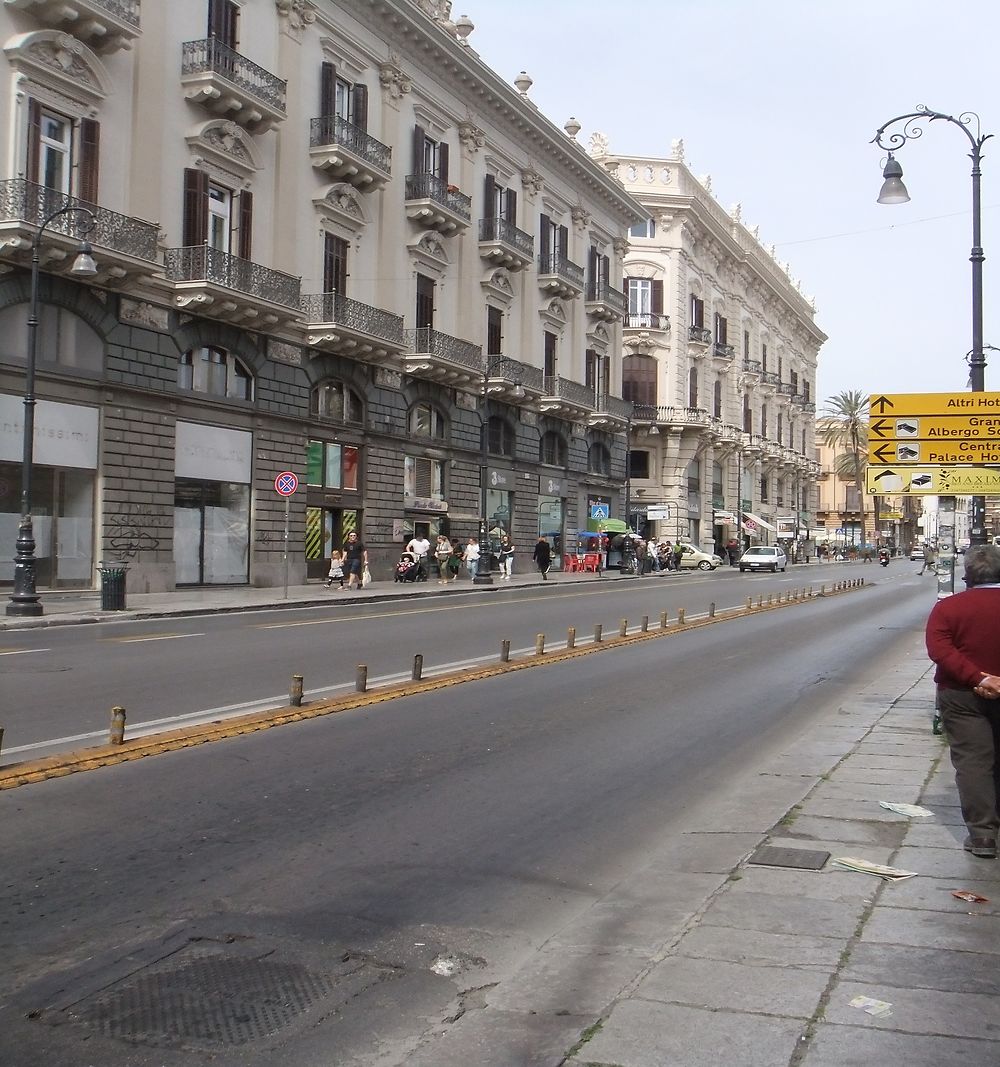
[
  {"x": 950, "y": 453},
  {"x": 944, "y": 481},
  {"x": 896, "y": 405}
]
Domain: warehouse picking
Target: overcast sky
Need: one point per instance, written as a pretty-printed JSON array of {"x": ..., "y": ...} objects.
[{"x": 777, "y": 100}]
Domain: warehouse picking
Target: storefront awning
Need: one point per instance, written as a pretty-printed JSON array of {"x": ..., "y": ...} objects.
[{"x": 749, "y": 516}]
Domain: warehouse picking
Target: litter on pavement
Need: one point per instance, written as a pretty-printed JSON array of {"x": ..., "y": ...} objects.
[
  {"x": 914, "y": 811},
  {"x": 970, "y": 897},
  {"x": 879, "y": 1008},
  {"x": 892, "y": 874}
]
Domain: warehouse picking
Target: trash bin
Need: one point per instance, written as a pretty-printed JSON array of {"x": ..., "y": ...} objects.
[{"x": 113, "y": 585}]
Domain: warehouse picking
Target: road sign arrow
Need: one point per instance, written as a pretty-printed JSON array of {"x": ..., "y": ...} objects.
[
  {"x": 883, "y": 452},
  {"x": 879, "y": 404},
  {"x": 881, "y": 428},
  {"x": 885, "y": 474}
]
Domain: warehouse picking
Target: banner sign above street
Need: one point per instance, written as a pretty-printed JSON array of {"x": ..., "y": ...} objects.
[{"x": 933, "y": 481}]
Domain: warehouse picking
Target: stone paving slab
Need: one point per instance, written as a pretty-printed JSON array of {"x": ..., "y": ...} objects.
[
  {"x": 849, "y": 771},
  {"x": 923, "y": 968},
  {"x": 927, "y": 929},
  {"x": 862, "y": 810},
  {"x": 827, "y": 884},
  {"x": 760, "y": 803},
  {"x": 867, "y": 792},
  {"x": 915, "y": 763},
  {"x": 706, "y": 853},
  {"x": 808, "y": 951},
  {"x": 873, "y": 853},
  {"x": 935, "y": 894},
  {"x": 954, "y": 863},
  {"x": 933, "y": 833},
  {"x": 734, "y": 986},
  {"x": 879, "y": 833},
  {"x": 781, "y": 915},
  {"x": 847, "y": 1046},
  {"x": 647, "y": 1034},
  {"x": 918, "y": 1011},
  {"x": 624, "y": 926}
]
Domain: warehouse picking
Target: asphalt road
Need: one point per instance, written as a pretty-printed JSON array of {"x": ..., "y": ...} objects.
[
  {"x": 60, "y": 683},
  {"x": 412, "y": 853}
]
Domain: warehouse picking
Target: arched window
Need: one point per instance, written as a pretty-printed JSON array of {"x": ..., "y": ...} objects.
[
  {"x": 552, "y": 449},
  {"x": 216, "y": 372},
  {"x": 336, "y": 401},
  {"x": 639, "y": 379},
  {"x": 62, "y": 338},
  {"x": 599, "y": 459},
  {"x": 499, "y": 437},
  {"x": 427, "y": 421}
]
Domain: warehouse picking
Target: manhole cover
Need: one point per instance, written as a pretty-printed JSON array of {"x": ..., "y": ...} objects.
[
  {"x": 803, "y": 858},
  {"x": 203, "y": 997}
]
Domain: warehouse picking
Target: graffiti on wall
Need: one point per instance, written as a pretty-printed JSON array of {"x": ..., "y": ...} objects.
[{"x": 133, "y": 530}]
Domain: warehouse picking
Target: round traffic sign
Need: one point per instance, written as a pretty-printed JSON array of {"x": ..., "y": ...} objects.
[{"x": 286, "y": 483}]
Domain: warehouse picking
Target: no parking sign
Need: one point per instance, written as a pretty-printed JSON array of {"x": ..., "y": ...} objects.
[{"x": 286, "y": 483}]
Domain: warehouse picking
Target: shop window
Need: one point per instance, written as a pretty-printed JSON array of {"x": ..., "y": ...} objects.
[
  {"x": 215, "y": 372},
  {"x": 63, "y": 339},
  {"x": 423, "y": 478},
  {"x": 552, "y": 449},
  {"x": 330, "y": 465},
  {"x": 336, "y": 401},
  {"x": 599, "y": 460},
  {"x": 499, "y": 437},
  {"x": 427, "y": 421}
]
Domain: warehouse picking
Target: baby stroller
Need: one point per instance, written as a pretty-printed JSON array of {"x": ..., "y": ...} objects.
[{"x": 408, "y": 569}]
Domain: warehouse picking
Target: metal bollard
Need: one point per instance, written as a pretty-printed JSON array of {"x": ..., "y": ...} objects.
[
  {"x": 361, "y": 678},
  {"x": 645, "y": 624},
  {"x": 598, "y": 631},
  {"x": 664, "y": 620},
  {"x": 1, "y": 739},
  {"x": 622, "y": 627},
  {"x": 760, "y": 601},
  {"x": 418, "y": 667},
  {"x": 295, "y": 691},
  {"x": 749, "y": 603},
  {"x": 770, "y": 599},
  {"x": 711, "y": 610},
  {"x": 571, "y": 637},
  {"x": 117, "y": 734},
  {"x": 822, "y": 589},
  {"x": 680, "y": 616},
  {"x": 505, "y": 650},
  {"x": 539, "y": 644}
]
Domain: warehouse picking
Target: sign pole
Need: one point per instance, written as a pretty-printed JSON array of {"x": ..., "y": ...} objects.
[
  {"x": 285, "y": 485},
  {"x": 287, "y": 501}
]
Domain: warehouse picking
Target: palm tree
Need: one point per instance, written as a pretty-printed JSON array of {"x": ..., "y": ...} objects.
[{"x": 844, "y": 426}]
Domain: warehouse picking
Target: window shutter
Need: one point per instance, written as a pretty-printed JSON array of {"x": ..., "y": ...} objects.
[
  {"x": 656, "y": 297},
  {"x": 489, "y": 197},
  {"x": 424, "y": 472},
  {"x": 230, "y": 13},
  {"x": 90, "y": 149},
  {"x": 359, "y": 101},
  {"x": 593, "y": 266},
  {"x": 195, "y": 230},
  {"x": 34, "y": 139},
  {"x": 605, "y": 267},
  {"x": 544, "y": 234},
  {"x": 327, "y": 90},
  {"x": 563, "y": 241},
  {"x": 512, "y": 207},
  {"x": 334, "y": 264},
  {"x": 443, "y": 162},
  {"x": 419, "y": 137},
  {"x": 246, "y": 225}
]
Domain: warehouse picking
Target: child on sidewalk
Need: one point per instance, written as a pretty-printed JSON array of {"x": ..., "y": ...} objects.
[{"x": 336, "y": 568}]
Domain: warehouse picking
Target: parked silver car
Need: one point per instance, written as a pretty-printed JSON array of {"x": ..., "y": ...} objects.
[{"x": 764, "y": 558}]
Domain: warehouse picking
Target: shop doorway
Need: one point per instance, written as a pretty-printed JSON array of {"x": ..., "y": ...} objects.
[
  {"x": 211, "y": 532},
  {"x": 326, "y": 529}
]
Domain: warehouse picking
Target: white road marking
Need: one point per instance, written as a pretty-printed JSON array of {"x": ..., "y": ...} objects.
[
  {"x": 154, "y": 637},
  {"x": 25, "y": 652}
]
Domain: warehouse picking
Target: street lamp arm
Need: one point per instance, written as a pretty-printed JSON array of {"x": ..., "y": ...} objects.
[{"x": 912, "y": 130}]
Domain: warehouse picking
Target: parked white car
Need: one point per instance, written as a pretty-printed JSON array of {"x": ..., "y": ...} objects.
[{"x": 764, "y": 558}]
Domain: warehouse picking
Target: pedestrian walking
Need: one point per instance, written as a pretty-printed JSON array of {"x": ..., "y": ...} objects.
[
  {"x": 419, "y": 546},
  {"x": 543, "y": 557},
  {"x": 506, "y": 556},
  {"x": 455, "y": 561},
  {"x": 442, "y": 552},
  {"x": 930, "y": 558},
  {"x": 733, "y": 551},
  {"x": 336, "y": 569},
  {"x": 678, "y": 553},
  {"x": 963, "y": 640},
  {"x": 355, "y": 561},
  {"x": 471, "y": 557}
]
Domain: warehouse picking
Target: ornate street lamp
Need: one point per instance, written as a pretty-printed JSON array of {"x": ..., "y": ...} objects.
[
  {"x": 894, "y": 192},
  {"x": 483, "y": 575},
  {"x": 24, "y": 599}
]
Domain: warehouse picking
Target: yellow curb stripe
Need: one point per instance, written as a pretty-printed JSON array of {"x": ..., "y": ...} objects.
[{"x": 58, "y": 766}]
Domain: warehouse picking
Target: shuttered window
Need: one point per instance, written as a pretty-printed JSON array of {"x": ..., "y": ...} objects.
[
  {"x": 195, "y": 227},
  {"x": 423, "y": 479},
  {"x": 223, "y": 21},
  {"x": 334, "y": 264}
]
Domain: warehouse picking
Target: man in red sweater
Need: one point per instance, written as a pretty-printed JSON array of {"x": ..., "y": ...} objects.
[{"x": 963, "y": 639}]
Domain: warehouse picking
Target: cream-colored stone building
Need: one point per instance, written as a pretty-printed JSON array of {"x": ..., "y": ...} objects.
[
  {"x": 720, "y": 361},
  {"x": 330, "y": 240}
]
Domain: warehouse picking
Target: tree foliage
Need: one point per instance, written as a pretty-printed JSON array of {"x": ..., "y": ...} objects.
[{"x": 844, "y": 428}]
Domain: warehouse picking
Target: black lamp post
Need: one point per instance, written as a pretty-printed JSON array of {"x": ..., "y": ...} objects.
[
  {"x": 24, "y": 599},
  {"x": 894, "y": 192},
  {"x": 483, "y": 575}
]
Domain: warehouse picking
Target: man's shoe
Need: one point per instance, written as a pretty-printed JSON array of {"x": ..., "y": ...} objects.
[{"x": 983, "y": 847}]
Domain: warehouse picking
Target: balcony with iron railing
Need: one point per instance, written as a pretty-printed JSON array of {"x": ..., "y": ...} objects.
[
  {"x": 567, "y": 397},
  {"x": 646, "y": 320},
  {"x": 787, "y": 389},
  {"x": 770, "y": 378},
  {"x": 671, "y": 416},
  {"x": 226, "y": 83},
  {"x": 104, "y": 25},
  {"x": 432, "y": 203},
  {"x": 559, "y": 275},
  {"x": 700, "y": 335},
  {"x": 502, "y": 244},
  {"x": 604, "y": 302},
  {"x": 503, "y": 375},
  {"x": 438, "y": 356},
  {"x": 221, "y": 285},
  {"x": 610, "y": 412},
  {"x": 723, "y": 351},
  {"x": 752, "y": 366},
  {"x": 336, "y": 323},
  {"x": 122, "y": 245},
  {"x": 347, "y": 152}
]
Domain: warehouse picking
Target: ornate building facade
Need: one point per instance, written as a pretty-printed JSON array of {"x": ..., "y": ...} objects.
[
  {"x": 329, "y": 240},
  {"x": 720, "y": 351}
]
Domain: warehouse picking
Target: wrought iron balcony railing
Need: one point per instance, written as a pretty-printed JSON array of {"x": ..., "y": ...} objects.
[
  {"x": 332, "y": 129},
  {"x": 23, "y": 201},
  {"x": 686, "y": 416},
  {"x": 614, "y": 405},
  {"x": 724, "y": 351},
  {"x": 211, "y": 55},
  {"x": 431, "y": 187},
  {"x": 646, "y": 320},
  {"x": 786, "y": 389},
  {"x": 606, "y": 294},
  {"x": 769, "y": 377},
  {"x": 203, "y": 263},
  {"x": 444, "y": 346},
  {"x": 353, "y": 315},
  {"x": 514, "y": 371},
  {"x": 575, "y": 393},
  {"x": 700, "y": 334},
  {"x": 752, "y": 366},
  {"x": 502, "y": 230},
  {"x": 558, "y": 264},
  {"x": 126, "y": 10}
]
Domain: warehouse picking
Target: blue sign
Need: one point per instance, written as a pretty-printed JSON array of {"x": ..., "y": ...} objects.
[
  {"x": 286, "y": 483},
  {"x": 600, "y": 511}
]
